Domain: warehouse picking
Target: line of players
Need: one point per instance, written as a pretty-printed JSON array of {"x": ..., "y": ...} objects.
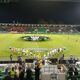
[{"x": 24, "y": 51}]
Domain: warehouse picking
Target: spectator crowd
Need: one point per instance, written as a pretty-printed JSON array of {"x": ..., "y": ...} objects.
[
  {"x": 38, "y": 28},
  {"x": 22, "y": 71}
]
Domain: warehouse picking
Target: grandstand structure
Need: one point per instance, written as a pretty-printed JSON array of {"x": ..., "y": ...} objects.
[{"x": 39, "y": 28}]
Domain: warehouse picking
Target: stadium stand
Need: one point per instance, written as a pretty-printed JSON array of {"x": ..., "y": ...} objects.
[
  {"x": 40, "y": 28},
  {"x": 17, "y": 28}
]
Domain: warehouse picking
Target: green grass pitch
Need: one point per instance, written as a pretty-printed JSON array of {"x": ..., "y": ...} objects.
[{"x": 70, "y": 42}]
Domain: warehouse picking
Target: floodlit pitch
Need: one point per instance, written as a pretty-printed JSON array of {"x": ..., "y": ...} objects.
[{"x": 70, "y": 42}]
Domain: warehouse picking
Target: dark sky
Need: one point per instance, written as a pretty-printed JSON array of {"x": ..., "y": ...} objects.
[{"x": 33, "y": 11}]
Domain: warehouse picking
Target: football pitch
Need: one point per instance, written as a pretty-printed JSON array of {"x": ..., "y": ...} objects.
[{"x": 70, "y": 42}]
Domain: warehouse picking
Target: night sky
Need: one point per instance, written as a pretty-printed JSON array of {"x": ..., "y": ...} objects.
[{"x": 34, "y": 11}]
